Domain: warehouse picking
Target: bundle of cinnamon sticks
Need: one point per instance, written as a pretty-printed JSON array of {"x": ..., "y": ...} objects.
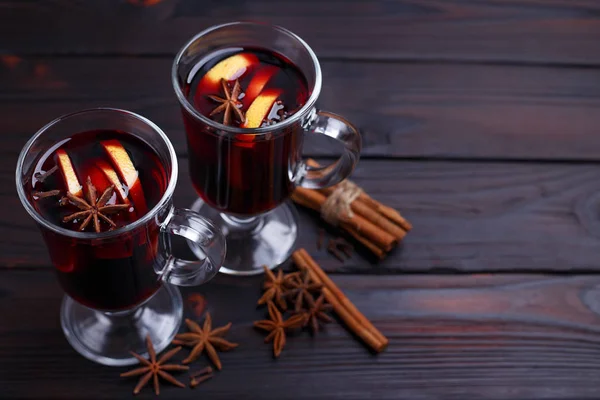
[
  {"x": 378, "y": 227},
  {"x": 342, "y": 306}
]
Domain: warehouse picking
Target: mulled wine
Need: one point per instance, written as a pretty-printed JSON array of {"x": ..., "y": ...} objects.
[
  {"x": 99, "y": 181},
  {"x": 244, "y": 173}
]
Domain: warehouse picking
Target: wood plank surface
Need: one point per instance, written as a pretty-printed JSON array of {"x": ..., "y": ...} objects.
[
  {"x": 403, "y": 110},
  {"x": 475, "y": 336},
  {"x": 521, "y": 31},
  {"x": 468, "y": 216},
  {"x": 480, "y": 124}
]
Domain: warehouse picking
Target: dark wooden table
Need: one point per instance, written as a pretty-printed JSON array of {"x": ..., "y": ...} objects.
[{"x": 481, "y": 124}]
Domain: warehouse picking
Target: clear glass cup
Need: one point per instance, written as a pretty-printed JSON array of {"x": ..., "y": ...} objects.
[
  {"x": 122, "y": 296},
  {"x": 245, "y": 176}
]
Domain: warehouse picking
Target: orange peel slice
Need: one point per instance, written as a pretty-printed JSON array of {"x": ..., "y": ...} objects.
[
  {"x": 68, "y": 172},
  {"x": 99, "y": 180},
  {"x": 260, "y": 108},
  {"x": 113, "y": 178},
  {"x": 124, "y": 166},
  {"x": 245, "y": 140},
  {"x": 230, "y": 68},
  {"x": 258, "y": 82}
]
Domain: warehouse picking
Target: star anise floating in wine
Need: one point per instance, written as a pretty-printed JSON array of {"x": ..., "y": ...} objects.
[
  {"x": 95, "y": 208},
  {"x": 277, "y": 326},
  {"x": 230, "y": 103},
  {"x": 204, "y": 339},
  {"x": 155, "y": 369}
]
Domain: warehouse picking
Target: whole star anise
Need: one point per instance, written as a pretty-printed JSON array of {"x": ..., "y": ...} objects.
[
  {"x": 275, "y": 286},
  {"x": 204, "y": 339},
  {"x": 230, "y": 103},
  {"x": 276, "y": 326},
  {"x": 317, "y": 311},
  {"x": 94, "y": 208},
  {"x": 302, "y": 288},
  {"x": 154, "y": 368}
]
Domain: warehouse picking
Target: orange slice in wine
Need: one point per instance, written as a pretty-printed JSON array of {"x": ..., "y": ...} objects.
[
  {"x": 127, "y": 172},
  {"x": 245, "y": 140},
  {"x": 260, "y": 108},
  {"x": 64, "y": 261},
  {"x": 258, "y": 83},
  {"x": 68, "y": 172},
  {"x": 98, "y": 179},
  {"x": 230, "y": 68},
  {"x": 113, "y": 178}
]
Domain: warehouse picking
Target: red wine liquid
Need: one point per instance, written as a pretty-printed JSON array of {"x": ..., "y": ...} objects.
[
  {"x": 105, "y": 274},
  {"x": 245, "y": 174}
]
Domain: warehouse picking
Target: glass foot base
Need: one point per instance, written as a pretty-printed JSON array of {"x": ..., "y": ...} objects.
[
  {"x": 107, "y": 338},
  {"x": 267, "y": 239}
]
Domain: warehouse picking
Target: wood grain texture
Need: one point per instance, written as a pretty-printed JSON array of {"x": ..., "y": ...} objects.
[
  {"x": 467, "y": 216},
  {"x": 403, "y": 110},
  {"x": 459, "y": 337},
  {"x": 480, "y": 123},
  {"x": 523, "y": 31}
]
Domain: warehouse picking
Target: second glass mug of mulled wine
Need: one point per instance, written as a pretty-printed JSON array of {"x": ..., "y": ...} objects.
[
  {"x": 247, "y": 93},
  {"x": 99, "y": 183}
]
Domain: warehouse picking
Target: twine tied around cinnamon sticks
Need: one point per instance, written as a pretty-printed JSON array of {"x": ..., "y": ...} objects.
[
  {"x": 376, "y": 226},
  {"x": 338, "y": 205}
]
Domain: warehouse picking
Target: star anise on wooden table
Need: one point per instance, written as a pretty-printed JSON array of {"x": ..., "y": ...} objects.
[
  {"x": 276, "y": 326},
  {"x": 153, "y": 368},
  {"x": 275, "y": 286},
  {"x": 317, "y": 311},
  {"x": 302, "y": 288},
  {"x": 204, "y": 339},
  {"x": 95, "y": 208},
  {"x": 230, "y": 103}
]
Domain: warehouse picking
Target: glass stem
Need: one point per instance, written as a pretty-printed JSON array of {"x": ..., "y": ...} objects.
[{"x": 242, "y": 225}]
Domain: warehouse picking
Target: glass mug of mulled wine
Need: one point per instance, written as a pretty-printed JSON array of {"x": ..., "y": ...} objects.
[
  {"x": 247, "y": 93},
  {"x": 99, "y": 183}
]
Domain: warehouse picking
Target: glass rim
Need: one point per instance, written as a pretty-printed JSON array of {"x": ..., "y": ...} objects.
[
  {"x": 166, "y": 197},
  {"x": 183, "y": 101}
]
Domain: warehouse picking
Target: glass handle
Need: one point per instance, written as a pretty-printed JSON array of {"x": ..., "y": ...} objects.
[
  {"x": 202, "y": 234},
  {"x": 340, "y": 129}
]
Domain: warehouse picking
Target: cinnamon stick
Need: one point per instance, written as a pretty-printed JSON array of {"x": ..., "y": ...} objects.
[
  {"x": 340, "y": 295},
  {"x": 353, "y": 318},
  {"x": 366, "y": 205},
  {"x": 314, "y": 204},
  {"x": 314, "y": 199},
  {"x": 389, "y": 212},
  {"x": 370, "y": 214},
  {"x": 380, "y": 253}
]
